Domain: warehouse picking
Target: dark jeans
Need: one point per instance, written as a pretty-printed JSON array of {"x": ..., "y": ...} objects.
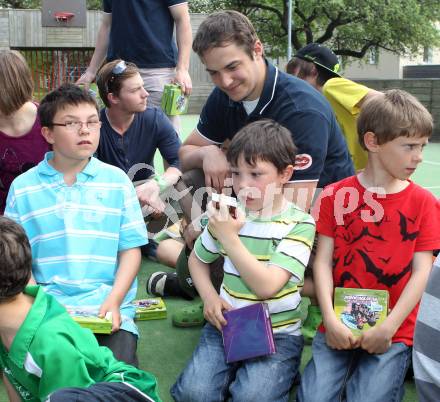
[
  {"x": 192, "y": 204},
  {"x": 123, "y": 344},
  {"x": 100, "y": 392}
]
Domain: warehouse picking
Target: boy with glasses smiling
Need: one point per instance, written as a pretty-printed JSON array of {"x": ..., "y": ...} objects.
[{"x": 82, "y": 218}]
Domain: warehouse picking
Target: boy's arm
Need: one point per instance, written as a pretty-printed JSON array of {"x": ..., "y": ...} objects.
[
  {"x": 338, "y": 336},
  {"x": 129, "y": 263},
  {"x": 12, "y": 213},
  {"x": 12, "y": 393},
  {"x": 265, "y": 281},
  {"x": 213, "y": 303},
  {"x": 181, "y": 17},
  {"x": 378, "y": 339}
]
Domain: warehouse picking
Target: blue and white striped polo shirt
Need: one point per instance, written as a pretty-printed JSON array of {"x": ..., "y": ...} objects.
[{"x": 77, "y": 231}]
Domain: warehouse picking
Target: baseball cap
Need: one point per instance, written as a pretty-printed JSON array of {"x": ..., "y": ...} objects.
[{"x": 321, "y": 56}]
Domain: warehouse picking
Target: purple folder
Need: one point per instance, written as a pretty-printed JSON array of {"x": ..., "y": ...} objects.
[{"x": 248, "y": 333}]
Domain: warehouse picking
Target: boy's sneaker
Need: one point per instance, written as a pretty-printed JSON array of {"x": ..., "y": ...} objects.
[
  {"x": 165, "y": 284},
  {"x": 150, "y": 250},
  {"x": 313, "y": 320}
]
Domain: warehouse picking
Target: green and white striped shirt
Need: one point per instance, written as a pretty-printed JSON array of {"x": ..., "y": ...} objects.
[{"x": 284, "y": 240}]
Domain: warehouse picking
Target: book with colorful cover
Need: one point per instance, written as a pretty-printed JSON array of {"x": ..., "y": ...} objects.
[
  {"x": 248, "y": 333},
  {"x": 361, "y": 309},
  {"x": 87, "y": 319},
  {"x": 150, "y": 309}
]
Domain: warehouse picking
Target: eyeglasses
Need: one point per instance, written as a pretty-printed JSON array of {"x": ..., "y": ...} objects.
[
  {"x": 118, "y": 69},
  {"x": 75, "y": 126}
]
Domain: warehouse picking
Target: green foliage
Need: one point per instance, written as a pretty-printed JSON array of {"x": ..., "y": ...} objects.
[
  {"x": 20, "y": 4},
  {"x": 91, "y": 4},
  {"x": 349, "y": 27}
]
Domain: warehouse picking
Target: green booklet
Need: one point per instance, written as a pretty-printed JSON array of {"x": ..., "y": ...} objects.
[
  {"x": 174, "y": 102},
  {"x": 361, "y": 309},
  {"x": 88, "y": 320},
  {"x": 150, "y": 309}
]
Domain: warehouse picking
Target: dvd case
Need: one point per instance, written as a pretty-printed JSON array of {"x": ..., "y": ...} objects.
[
  {"x": 248, "y": 333},
  {"x": 360, "y": 309}
]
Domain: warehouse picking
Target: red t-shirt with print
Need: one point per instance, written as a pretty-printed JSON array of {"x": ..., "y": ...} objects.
[{"x": 375, "y": 237}]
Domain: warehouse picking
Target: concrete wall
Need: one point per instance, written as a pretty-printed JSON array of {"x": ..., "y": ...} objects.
[{"x": 388, "y": 67}]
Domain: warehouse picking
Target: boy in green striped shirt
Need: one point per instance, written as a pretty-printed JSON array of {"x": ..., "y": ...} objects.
[{"x": 266, "y": 247}]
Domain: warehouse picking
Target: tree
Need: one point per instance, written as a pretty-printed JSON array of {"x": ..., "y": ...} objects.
[{"x": 349, "y": 27}]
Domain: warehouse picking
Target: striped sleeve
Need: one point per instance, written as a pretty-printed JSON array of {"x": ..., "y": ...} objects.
[
  {"x": 206, "y": 247},
  {"x": 11, "y": 205},
  {"x": 293, "y": 251},
  {"x": 133, "y": 232},
  {"x": 426, "y": 352}
]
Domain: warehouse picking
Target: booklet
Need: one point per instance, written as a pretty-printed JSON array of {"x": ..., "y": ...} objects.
[
  {"x": 150, "y": 309},
  {"x": 87, "y": 319},
  {"x": 361, "y": 309},
  {"x": 248, "y": 333}
]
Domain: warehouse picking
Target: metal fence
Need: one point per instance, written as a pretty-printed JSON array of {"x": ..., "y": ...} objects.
[{"x": 52, "y": 67}]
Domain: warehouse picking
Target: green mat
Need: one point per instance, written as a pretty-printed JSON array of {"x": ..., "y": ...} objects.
[{"x": 164, "y": 349}]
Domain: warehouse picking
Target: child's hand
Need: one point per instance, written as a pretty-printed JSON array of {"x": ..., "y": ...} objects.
[
  {"x": 339, "y": 337},
  {"x": 149, "y": 198},
  {"x": 376, "y": 340},
  {"x": 213, "y": 310},
  {"x": 113, "y": 307},
  {"x": 221, "y": 223}
]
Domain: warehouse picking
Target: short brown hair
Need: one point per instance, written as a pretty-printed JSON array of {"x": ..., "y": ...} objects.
[
  {"x": 263, "y": 140},
  {"x": 395, "y": 114},
  {"x": 108, "y": 82},
  {"x": 15, "y": 82},
  {"x": 15, "y": 257},
  {"x": 303, "y": 69},
  {"x": 222, "y": 28}
]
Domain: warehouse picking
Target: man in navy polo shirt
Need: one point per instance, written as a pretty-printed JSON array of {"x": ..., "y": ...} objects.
[
  {"x": 131, "y": 133},
  {"x": 141, "y": 32},
  {"x": 248, "y": 88}
]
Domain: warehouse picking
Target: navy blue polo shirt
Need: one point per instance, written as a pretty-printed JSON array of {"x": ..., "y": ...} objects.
[
  {"x": 150, "y": 130},
  {"x": 142, "y": 32},
  {"x": 322, "y": 151}
]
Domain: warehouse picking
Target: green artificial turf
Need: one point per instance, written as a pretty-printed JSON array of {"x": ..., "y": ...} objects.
[{"x": 164, "y": 349}]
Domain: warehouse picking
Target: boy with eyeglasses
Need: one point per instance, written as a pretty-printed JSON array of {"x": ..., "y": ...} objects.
[{"x": 82, "y": 218}]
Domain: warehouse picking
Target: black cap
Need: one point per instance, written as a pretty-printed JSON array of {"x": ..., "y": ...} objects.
[{"x": 321, "y": 56}]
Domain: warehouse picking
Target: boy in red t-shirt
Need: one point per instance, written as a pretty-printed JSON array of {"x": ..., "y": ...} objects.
[{"x": 376, "y": 230}]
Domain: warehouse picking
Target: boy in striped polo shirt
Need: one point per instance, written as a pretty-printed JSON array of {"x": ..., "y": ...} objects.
[
  {"x": 266, "y": 249},
  {"x": 82, "y": 218}
]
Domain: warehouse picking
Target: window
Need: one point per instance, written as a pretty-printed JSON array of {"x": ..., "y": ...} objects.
[
  {"x": 427, "y": 55},
  {"x": 373, "y": 56}
]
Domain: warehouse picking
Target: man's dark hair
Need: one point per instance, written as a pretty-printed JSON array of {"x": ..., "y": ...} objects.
[
  {"x": 59, "y": 98},
  {"x": 223, "y": 28},
  {"x": 15, "y": 259},
  {"x": 263, "y": 140}
]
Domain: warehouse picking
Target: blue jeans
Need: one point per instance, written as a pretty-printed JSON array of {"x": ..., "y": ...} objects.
[
  {"x": 208, "y": 377},
  {"x": 354, "y": 375},
  {"x": 100, "y": 392}
]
